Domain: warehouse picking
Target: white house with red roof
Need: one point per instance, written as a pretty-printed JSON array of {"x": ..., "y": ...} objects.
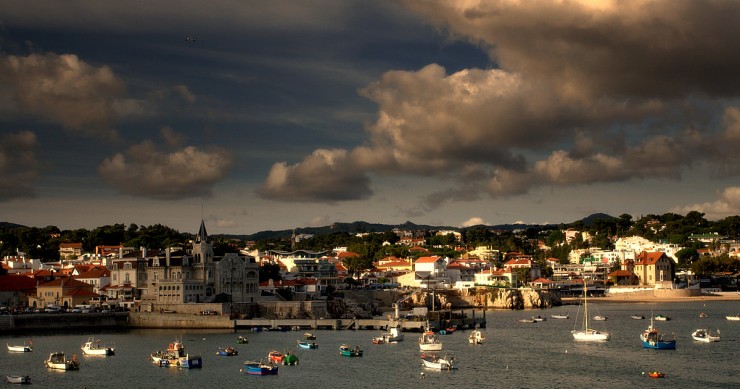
[
  {"x": 496, "y": 277},
  {"x": 98, "y": 277}
]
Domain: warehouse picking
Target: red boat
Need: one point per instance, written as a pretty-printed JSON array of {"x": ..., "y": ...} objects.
[
  {"x": 276, "y": 357},
  {"x": 655, "y": 374}
]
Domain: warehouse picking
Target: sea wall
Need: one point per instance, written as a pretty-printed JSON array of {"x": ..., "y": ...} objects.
[
  {"x": 63, "y": 321},
  {"x": 179, "y": 320}
]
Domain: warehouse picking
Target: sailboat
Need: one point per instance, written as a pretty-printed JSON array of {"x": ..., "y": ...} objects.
[{"x": 588, "y": 334}]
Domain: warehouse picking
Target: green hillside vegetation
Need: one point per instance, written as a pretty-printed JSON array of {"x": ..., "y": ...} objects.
[{"x": 672, "y": 228}]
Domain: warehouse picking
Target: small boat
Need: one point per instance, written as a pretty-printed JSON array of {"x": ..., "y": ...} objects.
[
  {"x": 26, "y": 347},
  {"x": 260, "y": 368},
  {"x": 704, "y": 335},
  {"x": 476, "y": 337},
  {"x": 530, "y": 320},
  {"x": 175, "y": 356},
  {"x": 662, "y": 318},
  {"x": 638, "y": 317},
  {"x": 560, "y": 316},
  {"x": 656, "y": 374},
  {"x": 703, "y": 315},
  {"x": 733, "y": 318},
  {"x": 226, "y": 352},
  {"x": 93, "y": 347},
  {"x": 275, "y": 356},
  {"x": 600, "y": 318},
  {"x": 428, "y": 341},
  {"x": 307, "y": 345},
  {"x": 242, "y": 339},
  {"x": 653, "y": 338},
  {"x": 309, "y": 336},
  {"x": 347, "y": 351},
  {"x": 448, "y": 331},
  {"x": 539, "y": 318},
  {"x": 435, "y": 362},
  {"x": 392, "y": 336},
  {"x": 59, "y": 361},
  {"x": 18, "y": 379}
]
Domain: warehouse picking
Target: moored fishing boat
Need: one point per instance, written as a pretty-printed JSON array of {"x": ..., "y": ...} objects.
[
  {"x": 638, "y": 317},
  {"x": 600, "y": 318},
  {"x": 655, "y": 374},
  {"x": 655, "y": 339},
  {"x": 260, "y": 368},
  {"x": 704, "y": 335},
  {"x": 18, "y": 379},
  {"x": 58, "y": 361},
  {"x": 539, "y": 318},
  {"x": 309, "y": 336},
  {"x": 175, "y": 356},
  {"x": 392, "y": 336},
  {"x": 347, "y": 351},
  {"x": 275, "y": 356},
  {"x": 93, "y": 347},
  {"x": 428, "y": 341},
  {"x": 560, "y": 316},
  {"x": 242, "y": 339},
  {"x": 662, "y": 318},
  {"x": 733, "y": 318}
]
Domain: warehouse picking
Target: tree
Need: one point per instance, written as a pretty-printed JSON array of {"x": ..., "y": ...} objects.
[{"x": 269, "y": 272}]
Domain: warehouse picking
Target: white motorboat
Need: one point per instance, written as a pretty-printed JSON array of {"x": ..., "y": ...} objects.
[
  {"x": 733, "y": 318},
  {"x": 705, "y": 335},
  {"x": 476, "y": 337},
  {"x": 59, "y": 361},
  {"x": 93, "y": 347}
]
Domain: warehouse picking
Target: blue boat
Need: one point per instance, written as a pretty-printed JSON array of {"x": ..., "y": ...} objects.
[
  {"x": 655, "y": 339},
  {"x": 259, "y": 368},
  {"x": 226, "y": 352},
  {"x": 348, "y": 351}
]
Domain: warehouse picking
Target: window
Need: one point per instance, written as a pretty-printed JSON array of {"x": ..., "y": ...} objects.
[{"x": 127, "y": 266}]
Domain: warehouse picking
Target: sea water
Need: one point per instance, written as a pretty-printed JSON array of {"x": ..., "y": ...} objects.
[{"x": 515, "y": 355}]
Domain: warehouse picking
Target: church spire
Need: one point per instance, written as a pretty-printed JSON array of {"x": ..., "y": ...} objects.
[{"x": 202, "y": 234}]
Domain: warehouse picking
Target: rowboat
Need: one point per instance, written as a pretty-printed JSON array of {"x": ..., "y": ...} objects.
[
  {"x": 656, "y": 374},
  {"x": 559, "y": 316},
  {"x": 733, "y": 318}
]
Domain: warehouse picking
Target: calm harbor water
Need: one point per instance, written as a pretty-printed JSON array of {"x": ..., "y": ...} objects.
[{"x": 515, "y": 355}]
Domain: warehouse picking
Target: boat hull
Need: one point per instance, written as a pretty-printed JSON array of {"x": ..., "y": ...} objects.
[
  {"x": 660, "y": 345},
  {"x": 703, "y": 335},
  {"x": 18, "y": 379},
  {"x": 590, "y": 336},
  {"x": 19, "y": 349},
  {"x": 260, "y": 370}
]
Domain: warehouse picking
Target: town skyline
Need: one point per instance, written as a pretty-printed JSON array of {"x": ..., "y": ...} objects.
[{"x": 261, "y": 115}]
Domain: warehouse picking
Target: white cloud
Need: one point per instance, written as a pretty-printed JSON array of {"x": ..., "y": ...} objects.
[
  {"x": 727, "y": 204},
  {"x": 473, "y": 221}
]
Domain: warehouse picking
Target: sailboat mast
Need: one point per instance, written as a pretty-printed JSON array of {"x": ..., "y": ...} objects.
[{"x": 585, "y": 303}]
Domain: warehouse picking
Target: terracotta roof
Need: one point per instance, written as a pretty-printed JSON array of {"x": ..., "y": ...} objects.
[
  {"x": 427, "y": 260},
  {"x": 12, "y": 283},
  {"x": 68, "y": 282},
  {"x": 95, "y": 273}
]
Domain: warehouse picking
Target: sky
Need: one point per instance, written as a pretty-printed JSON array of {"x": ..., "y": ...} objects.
[{"x": 268, "y": 115}]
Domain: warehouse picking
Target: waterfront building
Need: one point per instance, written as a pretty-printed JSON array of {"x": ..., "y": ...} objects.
[
  {"x": 63, "y": 292},
  {"x": 655, "y": 269},
  {"x": 238, "y": 277}
]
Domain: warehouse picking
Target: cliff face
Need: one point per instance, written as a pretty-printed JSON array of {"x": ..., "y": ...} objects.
[
  {"x": 511, "y": 298},
  {"x": 495, "y": 298}
]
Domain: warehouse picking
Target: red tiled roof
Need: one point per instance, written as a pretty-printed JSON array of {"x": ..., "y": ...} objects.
[{"x": 427, "y": 260}]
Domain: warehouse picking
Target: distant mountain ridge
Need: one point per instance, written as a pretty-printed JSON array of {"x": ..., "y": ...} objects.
[{"x": 361, "y": 226}]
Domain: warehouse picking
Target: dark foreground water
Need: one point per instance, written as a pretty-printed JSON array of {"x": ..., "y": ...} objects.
[{"x": 516, "y": 355}]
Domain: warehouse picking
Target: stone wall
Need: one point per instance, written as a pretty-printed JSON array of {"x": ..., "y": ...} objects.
[{"x": 178, "y": 320}]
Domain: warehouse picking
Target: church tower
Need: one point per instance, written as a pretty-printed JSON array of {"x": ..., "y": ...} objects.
[{"x": 203, "y": 265}]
